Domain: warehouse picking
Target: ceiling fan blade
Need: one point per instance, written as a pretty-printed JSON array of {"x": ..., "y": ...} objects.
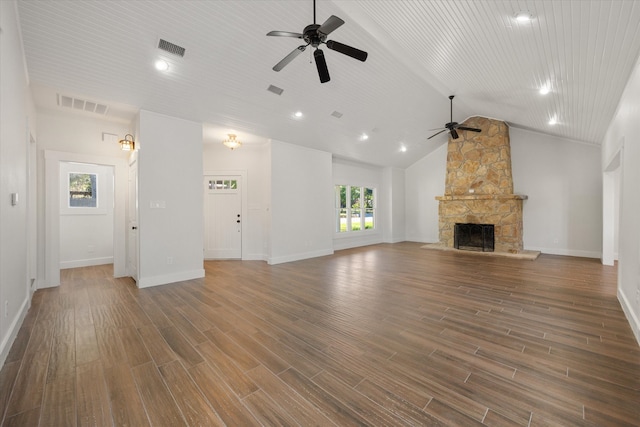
[
  {"x": 347, "y": 50},
  {"x": 454, "y": 134},
  {"x": 297, "y": 51},
  {"x": 284, "y": 34},
  {"x": 330, "y": 25},
  {"x": 437, "y": 133},
  {"x": 321, "y": 64},
  {"x": 469, "y": 129}
]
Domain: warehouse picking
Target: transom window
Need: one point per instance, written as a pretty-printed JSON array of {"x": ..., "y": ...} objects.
[
  {"x": 355, "y": 208},
  {"x": 223, "y": 184}
]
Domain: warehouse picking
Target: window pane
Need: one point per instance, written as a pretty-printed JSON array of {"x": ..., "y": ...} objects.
[
  {"x": 234, "y": 184},
  {"x": 369, "y": 220},
  {"x": 355, "y": 220},
  {"x": 83, "y": 190},
  {"x": 368, "y": 198},
  {"x": 355, "y": 197},
  {"x": 341, "y": 196},
  {"x": 341, "y": 225},
  {"x": 226, "y": 185}
]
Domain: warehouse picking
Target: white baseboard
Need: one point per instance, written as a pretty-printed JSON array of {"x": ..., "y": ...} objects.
[
  {"x": 633, "y": 319},
  {"x": 86, "y": 262},
  {"x": 145, "y": 282},
  {"x": 567, "y": 252},
  {"x": 299, "y": 256},
  {"x": 12, "y": 332},
  {"x": 254, "y": 257}
]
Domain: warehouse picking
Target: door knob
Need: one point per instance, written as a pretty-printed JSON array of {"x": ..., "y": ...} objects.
[
  {"x": 238, "y": 221},
  {"x": 134, "y": 228}
]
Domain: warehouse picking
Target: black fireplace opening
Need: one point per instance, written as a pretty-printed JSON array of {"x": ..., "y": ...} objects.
[{"x": 473, "y": 237}]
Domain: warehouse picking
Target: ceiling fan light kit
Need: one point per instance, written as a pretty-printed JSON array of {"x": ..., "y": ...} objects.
[{"x": 316, "y": 35}]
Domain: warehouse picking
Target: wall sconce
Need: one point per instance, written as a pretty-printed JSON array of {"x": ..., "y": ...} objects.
[
  {"x": 231, "y": 142},
  {"x": 127, "y": 144}
]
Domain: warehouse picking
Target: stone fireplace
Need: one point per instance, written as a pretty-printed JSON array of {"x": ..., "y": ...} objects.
[{"x": 479, "y": 186}]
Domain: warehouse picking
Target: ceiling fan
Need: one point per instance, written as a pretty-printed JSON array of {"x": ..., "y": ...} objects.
[
  {"x": 315, "y": 35},
  {"x": 452, "y": 126}
]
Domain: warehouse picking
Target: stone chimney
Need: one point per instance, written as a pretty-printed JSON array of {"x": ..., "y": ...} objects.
[{"x": 479, "y": 185}]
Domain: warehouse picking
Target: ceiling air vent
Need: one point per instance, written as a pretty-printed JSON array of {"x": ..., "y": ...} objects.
[
  {"x": 81, "y": 104},
  {"x": 275, "y": 89},
  {"x": 336, "y": 114},
  {"x": 173, "y": 49}
]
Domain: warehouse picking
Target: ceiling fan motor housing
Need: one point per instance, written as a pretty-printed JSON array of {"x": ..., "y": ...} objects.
[{"x": 312, "y": 36}]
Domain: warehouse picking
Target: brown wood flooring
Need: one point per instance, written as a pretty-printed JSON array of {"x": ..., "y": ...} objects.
[{"x": 384, "y": 335}]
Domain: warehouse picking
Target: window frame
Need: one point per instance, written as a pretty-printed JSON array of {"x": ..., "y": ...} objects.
[{"x": 348, "y": 210}]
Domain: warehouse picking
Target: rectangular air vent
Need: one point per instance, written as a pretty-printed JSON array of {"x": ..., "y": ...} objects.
[
  {"x": 336, "y": 114},
  {"x": 275, "y": 89},
  {"x": 173, "y": 49},
  {"x": 81, "y": 104}
]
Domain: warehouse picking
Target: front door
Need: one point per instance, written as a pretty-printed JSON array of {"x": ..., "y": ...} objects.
[{"x": 222, "y": 217}]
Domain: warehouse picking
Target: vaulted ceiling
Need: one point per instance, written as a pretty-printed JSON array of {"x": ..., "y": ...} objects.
[{"x": 419, "y": 53}]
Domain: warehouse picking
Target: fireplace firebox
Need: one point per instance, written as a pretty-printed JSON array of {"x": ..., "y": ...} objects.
[{"x": 473, "y": 237}]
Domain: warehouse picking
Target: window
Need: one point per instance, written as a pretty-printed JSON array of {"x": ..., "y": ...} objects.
[
  {"x": 83, "y": 190},
  {"x": 355, "y": 208},
  {"x": 223, "y": 184}
]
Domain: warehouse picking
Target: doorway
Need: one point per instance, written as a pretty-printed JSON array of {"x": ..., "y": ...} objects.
[
  {"x": 611, "y": 190},
  {"x": 132, "y": 226},
  {"x": 86, "y": 214},
  {"x": 53, "y": 160}
]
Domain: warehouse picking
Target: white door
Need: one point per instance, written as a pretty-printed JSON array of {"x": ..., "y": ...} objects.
[
  {"x": 132, "y": 230},
  {"x": 222, "y": 217}
]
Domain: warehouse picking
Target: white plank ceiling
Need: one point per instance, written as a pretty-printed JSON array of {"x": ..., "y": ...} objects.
[{"x": 419, "y": 53}]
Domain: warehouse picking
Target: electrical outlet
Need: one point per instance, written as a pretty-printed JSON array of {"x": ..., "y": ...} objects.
[{"x": 169, "y": 260}]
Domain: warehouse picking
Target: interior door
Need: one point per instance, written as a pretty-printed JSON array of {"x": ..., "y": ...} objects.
[
  {"x": 222, "y": 217},
  {"x": 132, "y": 230}
]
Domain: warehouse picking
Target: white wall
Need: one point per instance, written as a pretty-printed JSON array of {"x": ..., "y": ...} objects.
[
  {"x": 86, "y": 234},
  {"x": 302, "y": 212},
  {"x": 624, "y": 136},
  {"x": 254, "y": 160},
  {"x": 563, "y": 214},
  {"x": 170, "y": 175},
  {"x": 346, "y": 172},
  {"x": 562, "y": 179},
  {"x": 394, "y": 187},
  {"x": 17, "y": 120},
  {"x": 424, "y": 181}
]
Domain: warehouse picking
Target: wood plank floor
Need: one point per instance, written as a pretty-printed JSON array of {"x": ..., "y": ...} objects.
[{"x": 384, "y": 335}]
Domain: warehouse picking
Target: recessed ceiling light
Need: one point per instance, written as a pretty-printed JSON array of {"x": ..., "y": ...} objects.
[
  {"x": 364, "y": 137},
  {"x": 553, "y": 121},
  {"x": 403, "y": 149},
  {"x": 523, "y": 16},
  {"x": 162, "y": 65},
  {"x": 544, "y": 90},
  {"x": 298, "y": 114}
]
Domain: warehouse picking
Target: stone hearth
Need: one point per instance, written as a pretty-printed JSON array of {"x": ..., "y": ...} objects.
[{"x": 479, "y": 185}]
